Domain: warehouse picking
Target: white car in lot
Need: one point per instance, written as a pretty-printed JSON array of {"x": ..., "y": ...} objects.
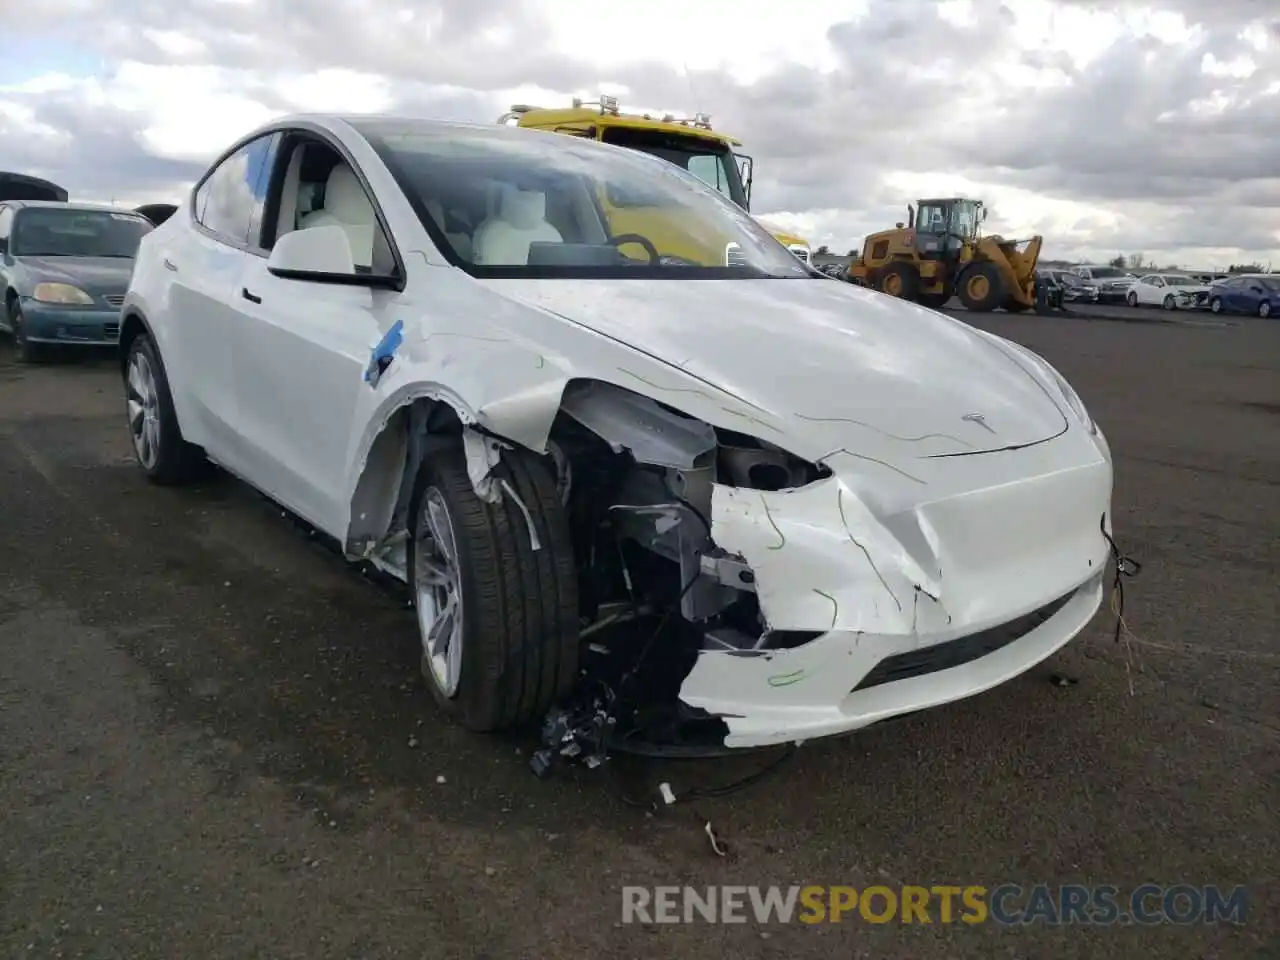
[
  {"x": 781, "y": 508},
  {"x": 1172, "y": 291}
]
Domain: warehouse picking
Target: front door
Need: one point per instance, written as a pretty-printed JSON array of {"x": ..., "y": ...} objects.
[{"x": 301, "y": 355}]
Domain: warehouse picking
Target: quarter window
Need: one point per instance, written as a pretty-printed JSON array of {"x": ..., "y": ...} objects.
[{"x": 230, "y": 199}]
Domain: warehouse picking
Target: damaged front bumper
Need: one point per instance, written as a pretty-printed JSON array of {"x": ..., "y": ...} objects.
[
  {"x": 845, "y": 680},
  {"x": 881, "y": 600}
]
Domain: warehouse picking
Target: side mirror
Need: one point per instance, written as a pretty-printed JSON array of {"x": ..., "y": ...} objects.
[
  {"x": 321, "y": 255},
  {"x": 745, "y": 168}
]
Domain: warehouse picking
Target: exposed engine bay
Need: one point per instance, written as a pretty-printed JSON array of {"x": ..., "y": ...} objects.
[{"x": 636, "y": 478}]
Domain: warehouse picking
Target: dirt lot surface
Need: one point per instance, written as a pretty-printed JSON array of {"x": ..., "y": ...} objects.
[{"x": 214, "y": 743}]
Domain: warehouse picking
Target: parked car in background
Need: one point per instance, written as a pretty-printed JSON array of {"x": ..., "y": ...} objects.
[
  {"x": 64, "y": 269},
  {"x": 492, "y": 413},
  {"x": 157, "y": 213},
  {"x": 1075, "y": 289},
  {"x": 1173, "y": 291},
  {"x": 22, "y": 186},
  {"x": 1256, "y": 294},
  {"x": 1112, "y": 282}
]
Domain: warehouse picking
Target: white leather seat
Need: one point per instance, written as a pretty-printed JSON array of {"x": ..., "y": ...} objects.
[
  {"x": 521, "y": 220},
  {"x": 346, "y": 205}
]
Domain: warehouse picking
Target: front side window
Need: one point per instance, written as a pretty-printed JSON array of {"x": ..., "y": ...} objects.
[
  {"x": 509, "y": 202},
  {"x": 232, "y": 194},
  {"x": 931, "y": 218},
  {"x": 67, "y": 232}
]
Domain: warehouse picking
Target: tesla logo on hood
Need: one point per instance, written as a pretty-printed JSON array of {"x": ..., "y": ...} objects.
[{"x": 979, "y": 419}]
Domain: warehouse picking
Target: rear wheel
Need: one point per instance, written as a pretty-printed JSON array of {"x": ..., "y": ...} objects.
[
  {"x": 158, "y": 446},
  {"x": 981, "y": 288},
  {"x": 497, "y": 619},
  {"x": 900, "y": 279}
]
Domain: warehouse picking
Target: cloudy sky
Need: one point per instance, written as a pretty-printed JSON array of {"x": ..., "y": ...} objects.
[{"x": 1109, "y": 126}]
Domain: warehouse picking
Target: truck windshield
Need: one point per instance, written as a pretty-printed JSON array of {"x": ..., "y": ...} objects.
[
  {"x": 709, "y": 160},
  {"x": 502, "y": 202}
]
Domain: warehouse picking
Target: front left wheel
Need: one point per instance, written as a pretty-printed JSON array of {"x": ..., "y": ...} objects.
[
  {"x": 24, "y": 351},
  {"x": 496, "y": 601},
  {"x": 158, "y": 446}
]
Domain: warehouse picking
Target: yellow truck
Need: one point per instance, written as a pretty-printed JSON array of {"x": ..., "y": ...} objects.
[{"x": 688, "y": 142}]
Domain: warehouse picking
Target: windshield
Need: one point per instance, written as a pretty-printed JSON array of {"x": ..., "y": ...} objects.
[
  {"x": 1182, "y": 282},
  {"x": 708, "y": 160},
  {"x": 506, "y": 202},
  {"x": 1107, "y": 273},
  {"x": 60, "y": 232}
]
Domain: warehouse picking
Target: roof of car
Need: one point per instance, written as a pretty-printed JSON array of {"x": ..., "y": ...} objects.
[{"x": 86, "y": 207}]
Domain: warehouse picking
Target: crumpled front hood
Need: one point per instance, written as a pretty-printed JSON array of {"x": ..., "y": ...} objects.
[
  {"x": 826, "y": 361},
  {"x": 98, "y": 275}
]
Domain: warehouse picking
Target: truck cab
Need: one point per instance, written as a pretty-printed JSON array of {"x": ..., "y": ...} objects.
[{"x": 688, "y": 142}]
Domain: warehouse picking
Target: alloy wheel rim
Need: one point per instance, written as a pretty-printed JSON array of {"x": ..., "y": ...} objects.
[
  {"x": 143, "y": 403},
  {"x": 438, "y": 594}
]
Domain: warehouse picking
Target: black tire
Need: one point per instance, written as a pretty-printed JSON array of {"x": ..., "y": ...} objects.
[
  {"x": 1131, "y": 299},
  {"x": 1264, "y": 309},
  {"x": 519, "y": 605},
  {"x": 902, "y": 277},
  {"x": 178, "y": 462},
  {"x": 1169, "y": 303},
  {"x": 23, "y": 350},
  {"x": 977, "y": 295},
  {"x": 934, "y": 301},
  {"x": 1215, "y": 304}
]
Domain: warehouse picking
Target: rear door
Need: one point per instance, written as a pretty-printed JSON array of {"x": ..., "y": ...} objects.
[{"x": 206, "y": 264}]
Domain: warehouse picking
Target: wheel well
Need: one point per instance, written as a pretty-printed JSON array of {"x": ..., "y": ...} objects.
[
  {"x": 131, "y": 327},
  {"x": 380, "y": 501}
]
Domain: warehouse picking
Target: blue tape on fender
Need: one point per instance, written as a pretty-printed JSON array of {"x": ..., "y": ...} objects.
[{"x": 383, "y": 354}]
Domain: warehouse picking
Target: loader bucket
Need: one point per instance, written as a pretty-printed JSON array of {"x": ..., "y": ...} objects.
[{"x": 1016, "y": 260}]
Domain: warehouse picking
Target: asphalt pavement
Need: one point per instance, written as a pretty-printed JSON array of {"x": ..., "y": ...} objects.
[{"x": 214, "y": 741}]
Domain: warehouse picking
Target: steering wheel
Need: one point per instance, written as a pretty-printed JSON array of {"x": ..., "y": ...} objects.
[{"x": 649, "y": 248}]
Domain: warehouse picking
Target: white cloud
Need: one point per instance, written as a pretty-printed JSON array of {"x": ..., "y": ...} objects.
[{"x": 1106, "y": 126}]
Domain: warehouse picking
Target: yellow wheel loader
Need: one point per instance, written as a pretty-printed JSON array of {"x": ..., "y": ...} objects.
[
  {"x": 939, "y": 253},
  {"x": 688, "y": 142}
]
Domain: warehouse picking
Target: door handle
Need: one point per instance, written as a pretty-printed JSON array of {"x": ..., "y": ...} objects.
[
  {"x": 251, "y": 297},
  {"x": 170, "y": 265}
]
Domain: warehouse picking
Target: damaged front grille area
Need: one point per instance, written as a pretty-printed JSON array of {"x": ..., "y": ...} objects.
[{"x": 958, "y": 652}]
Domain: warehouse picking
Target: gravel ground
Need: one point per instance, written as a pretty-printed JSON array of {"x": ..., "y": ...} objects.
[{"x": 213, "y": 741}]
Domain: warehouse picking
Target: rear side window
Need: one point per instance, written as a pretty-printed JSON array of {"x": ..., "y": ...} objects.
[{"x": 229, "y": 200}]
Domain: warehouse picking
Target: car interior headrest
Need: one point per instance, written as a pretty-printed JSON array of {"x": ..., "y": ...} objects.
[{"x": 523, "y": 208}]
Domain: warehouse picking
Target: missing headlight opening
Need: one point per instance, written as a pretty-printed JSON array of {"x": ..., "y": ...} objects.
[{"x": 637, "y": 479}]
